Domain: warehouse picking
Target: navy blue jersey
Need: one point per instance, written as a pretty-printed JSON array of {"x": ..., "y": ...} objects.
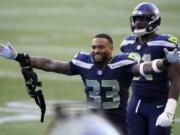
[
  {"x": 155, "y": 85},
  {"x": 106, "y": 88}
]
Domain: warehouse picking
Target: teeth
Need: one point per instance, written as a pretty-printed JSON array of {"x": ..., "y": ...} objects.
[{"x": 97, "y": 56}]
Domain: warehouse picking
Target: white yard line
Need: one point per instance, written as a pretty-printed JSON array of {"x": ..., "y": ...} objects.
[
  {"x": 26, "y": 111},
  {"x": 20, "y": 118}
]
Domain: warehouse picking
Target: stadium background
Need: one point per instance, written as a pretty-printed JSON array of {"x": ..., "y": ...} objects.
[{"x": 59, "y": 29}]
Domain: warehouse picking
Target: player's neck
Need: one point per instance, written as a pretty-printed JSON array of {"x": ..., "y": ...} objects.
[{"x": 143, "y": 39}]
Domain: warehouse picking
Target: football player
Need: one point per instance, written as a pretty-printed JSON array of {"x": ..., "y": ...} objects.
[
  {"x": 106, "y": 78},
  {"x": 152, "y": 106}
]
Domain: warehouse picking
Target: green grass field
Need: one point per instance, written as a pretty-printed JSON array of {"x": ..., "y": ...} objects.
[{"x": 59, "y": 29}]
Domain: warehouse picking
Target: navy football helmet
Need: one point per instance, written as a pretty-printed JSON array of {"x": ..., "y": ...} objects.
[{"x": 150, "y": 13}]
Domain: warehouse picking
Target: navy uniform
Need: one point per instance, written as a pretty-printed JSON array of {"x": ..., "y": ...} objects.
[
  {"x": 107, "y": 88},
  {"x": 150, "y": 93}
]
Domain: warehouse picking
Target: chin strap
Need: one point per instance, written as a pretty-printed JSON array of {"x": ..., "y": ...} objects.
[{"x": 33, "y": 86}]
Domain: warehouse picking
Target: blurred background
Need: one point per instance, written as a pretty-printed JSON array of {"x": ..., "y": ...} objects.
[{"x": 58, "y": 29}]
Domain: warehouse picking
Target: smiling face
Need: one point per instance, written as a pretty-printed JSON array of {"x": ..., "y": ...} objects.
[{"x": 101, "y": 50}]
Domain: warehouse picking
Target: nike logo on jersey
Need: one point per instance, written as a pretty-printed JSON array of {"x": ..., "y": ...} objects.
[{"x": 159, "y": 106}]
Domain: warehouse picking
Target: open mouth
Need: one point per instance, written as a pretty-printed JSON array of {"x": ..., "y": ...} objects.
[{"x": 97, "y": 58}]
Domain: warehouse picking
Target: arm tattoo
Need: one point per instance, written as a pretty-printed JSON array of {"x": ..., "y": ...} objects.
[{"x": 51, "y": 65}]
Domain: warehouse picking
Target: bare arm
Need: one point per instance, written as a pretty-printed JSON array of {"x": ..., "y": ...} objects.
[
  {"x": 166, "y": 118},
  {"x": 147, "y": 67},
  {"x": 174, "y": 77},
  {"x": 50, "y": 65}
]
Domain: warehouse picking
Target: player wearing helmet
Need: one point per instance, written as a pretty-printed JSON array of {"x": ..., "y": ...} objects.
[{"x": 152, "y": 105}]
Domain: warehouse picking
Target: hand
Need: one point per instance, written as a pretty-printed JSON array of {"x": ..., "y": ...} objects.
[
  {"x": 172, "y": 56},
  {"x": 165, "y": 119},
  {"x": 7, "y": 51}
]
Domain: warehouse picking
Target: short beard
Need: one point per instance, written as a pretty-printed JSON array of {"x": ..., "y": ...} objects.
[{"x": 101, "y": 62}]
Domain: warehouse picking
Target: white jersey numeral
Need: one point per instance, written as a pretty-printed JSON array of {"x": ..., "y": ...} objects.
[{"x": 110, "y": 100}]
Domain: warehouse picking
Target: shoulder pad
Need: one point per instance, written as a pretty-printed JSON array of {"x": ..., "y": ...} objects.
[
  {"x": 173, "y": 39},
  {"x": 127, "y": 41}
]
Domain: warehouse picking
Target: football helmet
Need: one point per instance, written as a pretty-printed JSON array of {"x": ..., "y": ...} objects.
[{"x": 149, "y": 13}]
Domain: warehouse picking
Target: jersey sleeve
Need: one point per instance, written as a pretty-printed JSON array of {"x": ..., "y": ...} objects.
[
  {"x": 81, "y": 61},
  {"x": 128, "y": 60},
  {"x": 74, "y": 69},
  {"x": 131, "y": 57}
]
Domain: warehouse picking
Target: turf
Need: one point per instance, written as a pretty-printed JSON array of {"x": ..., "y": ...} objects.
[{"x": 59, "y": 29}]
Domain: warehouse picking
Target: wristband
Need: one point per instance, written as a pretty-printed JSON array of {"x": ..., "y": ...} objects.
[
  {"x": 141, "y": 70},
  {"x": 171, "y": 106},
  {"x": 154, "y": 66},
  {"x": 20, "y": 57},
  {"x": 23, "y": 59}
]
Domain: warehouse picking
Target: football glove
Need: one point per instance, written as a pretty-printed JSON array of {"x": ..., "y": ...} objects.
[
  {"x": 172, "y": 56},
  {"x": 7, "y": 51},
  {"x": 166, "y": 118}
]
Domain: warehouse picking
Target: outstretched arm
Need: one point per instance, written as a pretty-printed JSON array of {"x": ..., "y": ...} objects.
[
  {"x": 50, "y": 65},
  {"x": 147, "y": 68},
  {"x": 7, "y": 51},
  {"x": 157, "y": 65}
]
